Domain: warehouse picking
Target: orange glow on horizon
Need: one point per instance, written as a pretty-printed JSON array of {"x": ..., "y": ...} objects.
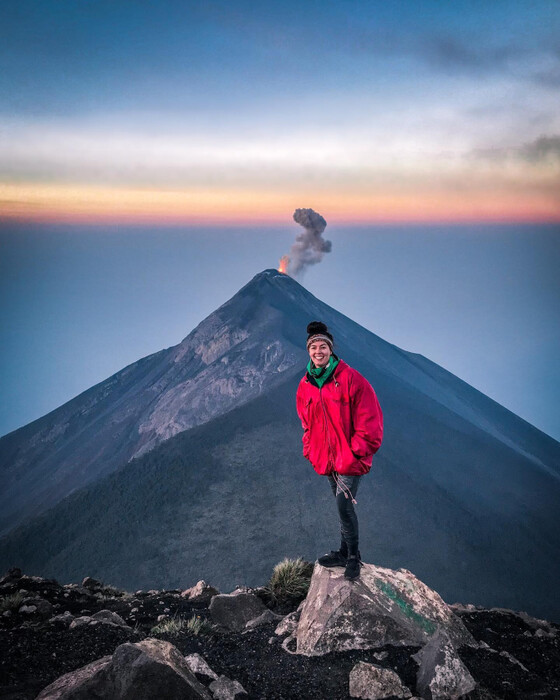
[{"x": 80, "y": 204}]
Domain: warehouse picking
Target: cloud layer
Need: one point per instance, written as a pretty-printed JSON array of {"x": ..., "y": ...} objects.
[{"x": 446, "y": 110}]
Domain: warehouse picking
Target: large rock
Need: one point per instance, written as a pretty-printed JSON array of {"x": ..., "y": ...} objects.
[
  {"x": 83, "y": 620},
  {"x": 289, "y": 623},
  {"x": 264, "y": 618},
  {"x": 199, "y": 666},
  {"x": 37, "y": 607},
  {"x": 85, "y": 683},
  {"x": 234, "y": 610},
  {"x": 226, "y": 689},
  {"x": 202, "y": 593},
  {"x": 142, "y": 671},
  {"x": 91, "y": 583},
  {"x": 381, "y": 607},
  {"x": 441, "y": 674},
  {"x": 109, "y": 616},
  {"x": 372, "y": 682},
  {"x": 64, "y": 619}
]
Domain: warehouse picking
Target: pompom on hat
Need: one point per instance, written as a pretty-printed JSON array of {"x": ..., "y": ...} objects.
[{"x": 317, "y": 330}]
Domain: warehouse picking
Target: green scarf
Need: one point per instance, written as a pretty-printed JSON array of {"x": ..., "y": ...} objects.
[{"x": 321, "y": 374}]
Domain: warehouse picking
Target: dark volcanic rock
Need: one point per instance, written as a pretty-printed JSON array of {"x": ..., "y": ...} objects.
[
  {"x": 372, "y": 682},
  {"x": 36, "y": 607},
  {"x": 225, "y": 689},
  {"x": 83, "y": 684},
  {"x": 264, "y": 618},
  {"x": 516, "y": 662},
  {"x": 200, "y": 668},
  {"x": 201, "y": 593},
  {"x": 234, "y": 610},
  {"x": 33, "y": 656},
  {"x": 143, "y": 671},
  {"x": 522, "y": 663},
  {"x": 441, "y": 674},
  {"x": 110, "y": 617}
]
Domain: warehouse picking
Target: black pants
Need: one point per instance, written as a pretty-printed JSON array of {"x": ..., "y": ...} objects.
[{"x": 348, "y": 518}]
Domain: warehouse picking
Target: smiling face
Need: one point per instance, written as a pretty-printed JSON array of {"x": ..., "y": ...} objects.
[{"x": 320, "y": 353}]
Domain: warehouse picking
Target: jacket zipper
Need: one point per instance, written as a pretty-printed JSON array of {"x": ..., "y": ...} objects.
[{"x": 330, "y": 461}]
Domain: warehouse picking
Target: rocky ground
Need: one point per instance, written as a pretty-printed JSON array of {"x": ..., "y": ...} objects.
[{"x": 47, "y": 630}]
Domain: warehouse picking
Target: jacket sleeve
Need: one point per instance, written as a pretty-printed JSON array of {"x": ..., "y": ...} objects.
[
  {"x": 300, "y": 407},
  {"x": 367, "y": 419}
]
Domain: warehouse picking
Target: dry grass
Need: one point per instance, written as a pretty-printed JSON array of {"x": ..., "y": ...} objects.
[
  {"x": 172, "y": 627},
  {"x": 290, "y": 580},
  {"x": 11, "y": 602}
]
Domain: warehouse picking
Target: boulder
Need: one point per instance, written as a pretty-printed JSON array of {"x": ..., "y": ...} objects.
[
  {"x": 441, "y": 674},
  {"x": 143, "y": 671},
  {"x": 27, "y": 609},
  {"x": 105, "y": 617},
  {"x": 109, "y": 616},
  {"x": 288, "y": 624},
  {"x": 37, "y": 607},
  {"x": 200, "y": 593},
  {"x": 234, "y": 610},
  {"x": 382, "y": 607},
  {"x": 64, "y": 618},
  {"x": 375, "y": 683},
  {"x": 154, "y": 668},
  {"x": 198, "y": 665},
  {"x": 91, "y": 583},
  {"x": 83, "y": 620},
  {"x": 88, "y": 682},
  {"x": 226, "y": 689},
  {"x": 263, "y": 619}
]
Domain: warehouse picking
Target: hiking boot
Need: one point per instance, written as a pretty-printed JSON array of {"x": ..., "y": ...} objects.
[
  {"x": 352, "y": 570},
  {"x": 333, "y": 559}
]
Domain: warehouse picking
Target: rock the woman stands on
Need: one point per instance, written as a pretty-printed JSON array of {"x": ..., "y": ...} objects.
[{"x": 343, "y": 428}]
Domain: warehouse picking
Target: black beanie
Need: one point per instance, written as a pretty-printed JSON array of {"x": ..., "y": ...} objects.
[{"x": 317, "y": 330}]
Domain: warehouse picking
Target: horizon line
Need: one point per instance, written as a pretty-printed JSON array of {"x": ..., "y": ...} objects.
[{"x": 273, "y": 221}]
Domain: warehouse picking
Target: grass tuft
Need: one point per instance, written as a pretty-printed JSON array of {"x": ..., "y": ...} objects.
[
  {"x": 197, "y": 625},
  {"x": 172, "y": 627},
  {"x": 11, "y": 602},
  {"x": 290, "y": 580}
]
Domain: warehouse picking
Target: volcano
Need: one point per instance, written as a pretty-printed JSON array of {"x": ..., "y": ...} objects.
[{"x": 187, "y": 464}]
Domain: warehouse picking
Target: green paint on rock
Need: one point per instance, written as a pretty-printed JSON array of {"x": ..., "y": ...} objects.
[{"x": 423, "y": 622}]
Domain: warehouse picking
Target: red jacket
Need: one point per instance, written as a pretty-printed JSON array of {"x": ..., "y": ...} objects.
[{"x": 342, "y": 422}]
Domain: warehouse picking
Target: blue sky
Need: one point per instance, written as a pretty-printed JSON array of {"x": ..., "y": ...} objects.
[{"x": 152, "y": 155}]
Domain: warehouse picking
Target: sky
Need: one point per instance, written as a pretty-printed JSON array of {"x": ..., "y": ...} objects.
[
  {"x": 213, "y": 112},
  {"x": 152, "y": 156}
]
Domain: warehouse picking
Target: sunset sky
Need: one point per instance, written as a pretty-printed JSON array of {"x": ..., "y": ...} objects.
[
  {"x": 152, "y": 154},
  {"x": 210, "y": 112}
]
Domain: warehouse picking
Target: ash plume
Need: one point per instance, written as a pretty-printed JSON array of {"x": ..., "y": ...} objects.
[{"x": 309, "y": 246}]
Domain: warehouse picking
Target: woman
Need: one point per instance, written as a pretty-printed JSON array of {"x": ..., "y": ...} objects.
[{"x": 343, "y": 429}]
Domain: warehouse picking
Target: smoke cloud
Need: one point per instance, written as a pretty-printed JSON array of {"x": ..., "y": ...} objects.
[{"x": 309, "y": 246}]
